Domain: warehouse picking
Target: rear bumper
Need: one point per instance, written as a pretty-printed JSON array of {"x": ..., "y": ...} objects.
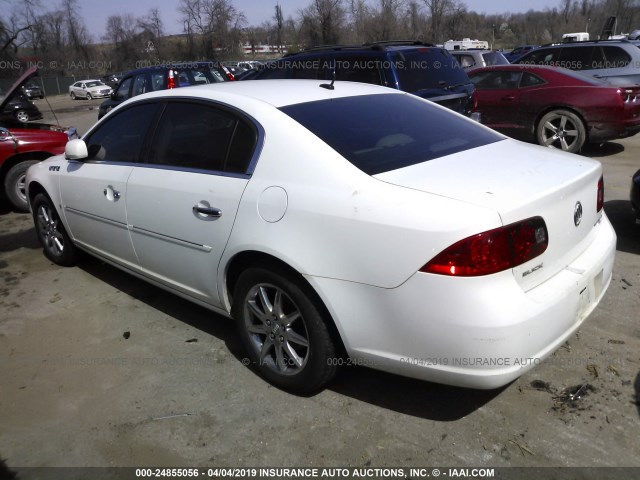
[
  {"x": 480, "y": 332},
  {"x": 602, "y": 132}
]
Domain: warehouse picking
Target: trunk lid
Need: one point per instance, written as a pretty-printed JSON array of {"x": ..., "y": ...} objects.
[{"x": 519, "y": 181}]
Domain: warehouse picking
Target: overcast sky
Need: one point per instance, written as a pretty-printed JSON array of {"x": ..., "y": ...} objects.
[{"x": 95, "y": 12}]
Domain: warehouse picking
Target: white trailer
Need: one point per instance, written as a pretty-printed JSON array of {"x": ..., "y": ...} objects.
[{"x": 466, "y": 44}]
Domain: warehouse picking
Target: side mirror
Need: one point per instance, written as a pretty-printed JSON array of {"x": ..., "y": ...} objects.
[
  {"x": 113, "y": 96},
  {"x": 76, "y": 149}
]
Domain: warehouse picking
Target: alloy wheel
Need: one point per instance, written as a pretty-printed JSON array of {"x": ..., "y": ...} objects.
[{"x": 276, "y": 329}]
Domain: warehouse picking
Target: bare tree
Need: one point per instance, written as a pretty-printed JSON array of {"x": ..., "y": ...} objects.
[
  {"x": 152, "y": 30},
  {"x": 279, "y": 19},
  {"x": 217, "y": 24},
  {"x": 322, "y": 21},
  {"x": 438, "y": 9}
]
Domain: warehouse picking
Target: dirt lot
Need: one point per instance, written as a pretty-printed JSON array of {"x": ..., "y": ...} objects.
[{"x": 99, "y": 369}]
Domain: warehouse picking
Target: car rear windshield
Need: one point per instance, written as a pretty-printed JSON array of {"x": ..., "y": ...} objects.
[
  {"x": 428, "y": 68},
  {"x": 380, "y": 133}
]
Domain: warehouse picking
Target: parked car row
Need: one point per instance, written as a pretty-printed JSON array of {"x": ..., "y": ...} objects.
[{"x": 307, "y": 209}]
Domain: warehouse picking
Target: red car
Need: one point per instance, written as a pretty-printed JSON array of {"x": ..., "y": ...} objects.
[
  {"x": 554, "y": 106},
  {"x": 22, "y": 145}
]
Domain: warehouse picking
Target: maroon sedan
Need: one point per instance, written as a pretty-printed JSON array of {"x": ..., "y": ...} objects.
[{"x": 554, "y": 106}]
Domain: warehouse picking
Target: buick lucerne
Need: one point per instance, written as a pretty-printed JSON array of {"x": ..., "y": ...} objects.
[{"x": 338, "y": 219}]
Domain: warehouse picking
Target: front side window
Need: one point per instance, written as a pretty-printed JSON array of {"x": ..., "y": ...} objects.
[
  {"x": 384, "y": 132},
  {"x": 542, "y": 56},
  {"x": 123, "y": 89},
  {"x": 120, "y": 138},
  {"x": 140, "y": 84},
  {"x": 202, "y": 137}
]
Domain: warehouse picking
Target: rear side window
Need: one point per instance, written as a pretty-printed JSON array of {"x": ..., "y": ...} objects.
[
  {"x": 364, "y": 69},
  {"x": 500, "y": 80},
  {"x": 380, "y": 133},
  {"x": 120, "y": 138},
  {"x": 615, "y": 57},
  {"x": 530, "y": 80},
  {"x": 494, "y": 58},
  {"x": 428, "y": 68},
  {"x": 202, "y": 137},
  {"x": 575, "y": 58}
]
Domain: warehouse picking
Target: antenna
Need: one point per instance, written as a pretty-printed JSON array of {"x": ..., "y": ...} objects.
[{"x": 329, "y": 86}]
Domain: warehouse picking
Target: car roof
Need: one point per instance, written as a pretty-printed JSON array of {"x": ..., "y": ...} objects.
[
  {"x": 278, "y": 93},
  {"x": 393, "y": 45},
  {"x": 589, "y": 42}
]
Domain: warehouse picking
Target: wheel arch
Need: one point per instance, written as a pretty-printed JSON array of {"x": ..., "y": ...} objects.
[
  {"x": 253, "y": 258},
  {"x": 570, "y": 108}
]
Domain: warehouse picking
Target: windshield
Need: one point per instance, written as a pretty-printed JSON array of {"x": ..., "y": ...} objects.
[
  {"x": 380, "y": 133},
  {"x": 94, "y": 84}
]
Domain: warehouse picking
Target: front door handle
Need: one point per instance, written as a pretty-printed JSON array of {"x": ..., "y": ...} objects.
[
  {"x": 509, "y": 98},
  {"x": 207, "y": 211},
  {"x": 111, "y": 193}
]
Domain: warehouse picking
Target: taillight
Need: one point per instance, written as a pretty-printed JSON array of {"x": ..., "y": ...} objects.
[
  {"x": 230, "y": 76},
  {"x": 172, "y": 81},
  {"x": 600, "y": 198},
  {"x": 492, "y": 251},
  {"x": 474, "y": 98}
]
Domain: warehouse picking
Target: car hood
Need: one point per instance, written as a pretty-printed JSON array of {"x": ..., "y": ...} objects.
[
  {"x": 98, "y": 88},
  {"x": 15, "y": 88},
  {"x": 40, "y": 135}
]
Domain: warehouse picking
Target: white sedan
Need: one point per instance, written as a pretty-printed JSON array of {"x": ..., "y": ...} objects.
[
  {"x": 339, "y": 224},
  {"x": 89, "y": 89}
]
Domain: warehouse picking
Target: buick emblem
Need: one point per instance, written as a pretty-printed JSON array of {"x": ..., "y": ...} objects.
[{"x": 577, "y": 214}]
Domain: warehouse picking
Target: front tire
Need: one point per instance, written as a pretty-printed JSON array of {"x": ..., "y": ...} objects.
[
  {"x": 22, "y": 116},
  {"x": 51, "y": 233},
  {"x": 283, "y": 331},
  {"x": 14, "y": 185},
  {"x": 89, "y": 97},
  {"x": 561, "y": 129}
]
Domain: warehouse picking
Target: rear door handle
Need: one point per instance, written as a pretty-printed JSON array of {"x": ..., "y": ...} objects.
[
  {"x": 509, "y": 98},
  {"x": 207, "y": 211}
]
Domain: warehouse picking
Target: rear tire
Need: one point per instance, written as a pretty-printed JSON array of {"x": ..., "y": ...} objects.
[
  {"x": 283, "y": 331},
  {"x": 73, "y": 96},
  {"x": 561, "y": 129},
  {"x": 53, "y": 237},
  {"x": 14, "y": 185}
]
